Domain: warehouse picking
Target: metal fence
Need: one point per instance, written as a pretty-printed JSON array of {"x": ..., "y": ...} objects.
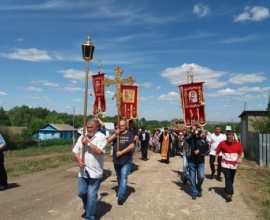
[{"x": 258, "y": 148}]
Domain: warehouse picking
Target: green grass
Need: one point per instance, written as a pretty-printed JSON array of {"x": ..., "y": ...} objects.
[
  {"x": 256, "y": 185},
  {"x": 37, "y": 151},
  {"x": 30, "y": 166},
  {"x": 19, "y": 162}
]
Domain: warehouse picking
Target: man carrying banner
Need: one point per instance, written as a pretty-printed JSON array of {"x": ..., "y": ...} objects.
[
  {"x": 122, "y": 158},
  {"x": 198, "y": 148},
  {"x": 91, "y": 171}
]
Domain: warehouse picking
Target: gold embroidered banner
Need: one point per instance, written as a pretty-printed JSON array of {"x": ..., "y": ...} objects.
[
  {"x": 98, "y": 86},
  {"x": 129, "y": 102},
  {"x": 192, "y": 101}
]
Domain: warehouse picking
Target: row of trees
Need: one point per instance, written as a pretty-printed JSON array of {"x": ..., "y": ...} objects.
[{"x": 35, "y": 118}]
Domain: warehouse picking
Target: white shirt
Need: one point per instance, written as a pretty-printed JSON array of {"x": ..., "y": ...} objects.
[
  {"x": 94, "y": 162},
  {"x": 214, "y": 141}
]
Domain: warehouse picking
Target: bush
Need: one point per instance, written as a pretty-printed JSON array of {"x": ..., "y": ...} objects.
[{"x": 55, "y": 141}]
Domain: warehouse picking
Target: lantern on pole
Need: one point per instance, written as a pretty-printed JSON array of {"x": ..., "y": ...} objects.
[{"x": 87, "y": 53}]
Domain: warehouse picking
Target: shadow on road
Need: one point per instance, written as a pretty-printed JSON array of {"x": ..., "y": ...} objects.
[
  {"x": 106, "y": 174},
  {"x": 13, "y": 185},
  {"x": 183, "y": 186},
  {"x": 218, "y": 190}
]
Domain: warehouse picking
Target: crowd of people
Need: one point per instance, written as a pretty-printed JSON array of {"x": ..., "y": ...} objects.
[{"x": 193, "y": 144}]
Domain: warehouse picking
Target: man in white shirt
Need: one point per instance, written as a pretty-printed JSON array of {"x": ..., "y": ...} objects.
[
  {"x": 215, "y": 139},
  {"x": 93, "y": 146}
]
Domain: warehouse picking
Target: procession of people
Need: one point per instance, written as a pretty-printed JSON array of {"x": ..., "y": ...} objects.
[
  {"x": 190, "y": 142},
  {"x": 223, "y": 151}
]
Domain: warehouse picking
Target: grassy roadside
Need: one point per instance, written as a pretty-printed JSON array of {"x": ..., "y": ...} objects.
[
  {"x": 256, "y": 187},
  {"x": 19, "y": 162}
]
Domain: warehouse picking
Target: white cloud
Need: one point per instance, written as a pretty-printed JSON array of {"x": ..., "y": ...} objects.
[
  {"x": 147, "y": 85},
  {"x": 31, "y": 88},
  {"x": 178, "y": 75},
  {"x": 38, "y": 97},
  {"x": 3, "y": 93},
  {"x": 73, "y": 89},
  {"x": 74, "y": 75},
  {"x": 45, "y": 83},
  {"x": 169, "y": 96},
  {"x": 240, "y": 39},
  {"x": 257, "y": 13},
  {"x": 158, "y": 87},
  {"x": 201, "y": 10},
  {"x": 247, "y": 78},
  {"x": 31, "y": 54}
]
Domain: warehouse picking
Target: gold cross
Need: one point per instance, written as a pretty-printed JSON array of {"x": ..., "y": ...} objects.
[{"x": 118, "y": 81}]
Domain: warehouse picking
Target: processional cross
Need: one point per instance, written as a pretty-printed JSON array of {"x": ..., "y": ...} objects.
[{"x": 118, "y": 81}]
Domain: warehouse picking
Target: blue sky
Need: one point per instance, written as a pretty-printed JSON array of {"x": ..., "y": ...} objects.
[{"x": 226, "y": 42}]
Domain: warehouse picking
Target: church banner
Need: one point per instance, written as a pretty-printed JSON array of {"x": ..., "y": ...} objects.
[
  {"x": 129, "y": 102},
  {"x": 98, "y": 86},
  {"x": 193, "y": 105}
]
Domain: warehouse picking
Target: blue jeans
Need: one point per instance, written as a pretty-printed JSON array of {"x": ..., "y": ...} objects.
[
  {"x": 122, "y": 172},
  {"x": 185, "y": 167},
  {"x": 196, "y": 170},
  {"x": 87, "y": 191}
]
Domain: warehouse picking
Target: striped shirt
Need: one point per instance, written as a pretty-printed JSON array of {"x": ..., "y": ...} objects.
[
  {"x": 229, "y": 153},
  {"x": 94, "y": 162}
]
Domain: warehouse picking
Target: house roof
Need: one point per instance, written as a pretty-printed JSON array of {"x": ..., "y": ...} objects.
[
  {"x": 60, "y": 127},
  {"x": 16, "y": 130},
  {"x": 253, "y": 113}
]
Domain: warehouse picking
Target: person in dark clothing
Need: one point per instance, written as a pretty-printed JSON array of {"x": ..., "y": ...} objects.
[
  {"x": 3, "y": 173},
  {"x": 198, "y": 148},
  {"x": 122, "y": 158},
  {"x": 144, "y": 138}
]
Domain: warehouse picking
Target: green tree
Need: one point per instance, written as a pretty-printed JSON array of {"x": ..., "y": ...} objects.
[
  {"x": 35, "y": 124},
  {"x": 20, "y": 116},
  {"x": 4, "y": 119},
  {"x": 262, "y": 124}
]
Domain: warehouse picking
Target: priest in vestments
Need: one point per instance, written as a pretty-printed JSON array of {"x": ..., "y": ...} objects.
[{"x": 165, "y": 140}]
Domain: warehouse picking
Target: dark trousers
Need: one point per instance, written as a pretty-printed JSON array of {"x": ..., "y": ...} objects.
[
  {"x": 211, "y": 161},
  {"x": 144, "y": 150},
  {"x": 3, "y": 173},
  {"x": 229, "y": 179}
]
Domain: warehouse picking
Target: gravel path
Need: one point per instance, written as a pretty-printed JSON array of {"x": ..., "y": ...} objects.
[{"x": 155, "y": 192}]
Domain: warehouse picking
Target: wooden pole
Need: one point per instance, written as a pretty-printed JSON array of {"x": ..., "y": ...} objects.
[{"x": 85, "y": 105}]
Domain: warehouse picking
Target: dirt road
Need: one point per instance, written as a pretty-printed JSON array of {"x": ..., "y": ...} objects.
[{"x": 155, "y": 192}]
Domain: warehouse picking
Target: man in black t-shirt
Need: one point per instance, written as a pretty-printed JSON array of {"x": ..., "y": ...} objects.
[{"x": 122, "y": 157}]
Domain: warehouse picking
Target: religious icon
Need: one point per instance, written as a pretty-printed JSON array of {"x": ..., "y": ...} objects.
[
  {"x": 128, "y": 95},
  {"x": 193, "y": 96},
  {"x": 97, "y": 87}
]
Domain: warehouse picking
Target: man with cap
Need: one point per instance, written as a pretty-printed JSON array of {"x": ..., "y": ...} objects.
[
  {"x": 165, "y": 140},
  {"x": 229, "y": 128},
  {"x": 144, "y": 137},
  {"x": 232, "y": 155},
  {"x": 198, "y": 148}
]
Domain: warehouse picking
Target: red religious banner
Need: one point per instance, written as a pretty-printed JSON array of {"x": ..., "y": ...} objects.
[
  {"x": 129, "y": 102},
  {"x": 192, "y": 100},
  {"x": 98, "y": 86}
]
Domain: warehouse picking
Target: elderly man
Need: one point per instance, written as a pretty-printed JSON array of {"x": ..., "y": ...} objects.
[
  {"x": 122, "y": 158},
  {"x": 198, "y": 148},
  {"x": 93, "y": 146},
  {"x": 232, "y": 155}
]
